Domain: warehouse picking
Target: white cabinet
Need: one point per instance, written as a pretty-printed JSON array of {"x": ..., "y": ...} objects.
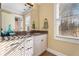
[
  {"x": 37, "y": 45},
  {"x": 19, "y": 51},
  {"x": 44, "y": 43},
  {"x": 34, "y": 45},
  {"x": 29, "y": 46},
  {"x": 40, "y": 44},
  {"x": 24, "y": 49}
]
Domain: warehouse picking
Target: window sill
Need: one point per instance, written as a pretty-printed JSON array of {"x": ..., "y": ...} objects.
[{"x": 68, "y": 39}]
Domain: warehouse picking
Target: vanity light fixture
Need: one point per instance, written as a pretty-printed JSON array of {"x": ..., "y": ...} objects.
[
  {"x": 28, "y": 7},
  {"x": 29, "y": 4}
]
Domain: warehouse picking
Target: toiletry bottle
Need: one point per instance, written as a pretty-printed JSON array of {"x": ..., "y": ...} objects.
[
  {"x": 33, "y": 25},
  {"x": 45, "y": 24}
]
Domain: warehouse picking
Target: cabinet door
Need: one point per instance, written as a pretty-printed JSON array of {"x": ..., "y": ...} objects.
[
  {"x": 29, "y": 46},
  {"x": 29, "y": 42},
  {"x": 29, "y": 51},
  {"x": 37, "y": 45},
  {"x": 22, "y": 49},
  {"x": 35, "y": 15},
  {"x": 40, "y": 44},
  {"x": 43, "y": 42}
]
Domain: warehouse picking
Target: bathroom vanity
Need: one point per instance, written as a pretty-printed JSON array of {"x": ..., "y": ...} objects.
[{"x": 24, "y": 45}]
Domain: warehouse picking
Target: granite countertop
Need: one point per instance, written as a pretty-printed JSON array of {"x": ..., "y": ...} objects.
[
  {"x": 20, "y": 34},
  {"x": 33, "y": 32}
]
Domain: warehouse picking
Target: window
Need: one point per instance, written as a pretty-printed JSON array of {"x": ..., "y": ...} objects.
[
  {"x": 27, "y": 23},
  {"x": 67, "y": 20}
]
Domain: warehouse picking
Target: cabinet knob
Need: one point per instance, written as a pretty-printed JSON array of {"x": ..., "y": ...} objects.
[
  {"x": 41, "y": 40},
  {"x": 28, "y": 48},
  {"x": 21, "y": 48},
  {"x": 29, "y": 40}
]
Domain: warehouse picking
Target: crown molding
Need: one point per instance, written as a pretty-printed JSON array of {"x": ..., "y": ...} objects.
[{"x": 7, "y": 11}]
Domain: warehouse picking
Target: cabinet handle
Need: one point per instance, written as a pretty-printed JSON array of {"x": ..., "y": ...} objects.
[
  {"x": 28, "y": 48},
  {"x": 21, "y": 37},
  {"x": 29, "y": 40},
  {"x": 41, "y": 40},
  {"x": 21, "y": 48}
]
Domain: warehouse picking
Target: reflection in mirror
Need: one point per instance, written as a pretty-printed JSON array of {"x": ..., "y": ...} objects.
[
  {"x": 27, "y": 23},
  {"x": 18, "y": 24}
]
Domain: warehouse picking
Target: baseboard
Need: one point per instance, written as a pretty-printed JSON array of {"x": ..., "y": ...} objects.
[{"x": 55, "y": 52}]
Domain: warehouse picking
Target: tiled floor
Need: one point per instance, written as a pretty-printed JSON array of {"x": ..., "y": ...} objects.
[{"x": 46, "y": 53}]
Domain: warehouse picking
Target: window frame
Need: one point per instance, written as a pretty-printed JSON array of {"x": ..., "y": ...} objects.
[{"x": 61, "y": 37}]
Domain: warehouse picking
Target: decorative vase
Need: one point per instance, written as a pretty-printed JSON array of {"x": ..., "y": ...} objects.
[
  {"x": 45, "y": 24},
  {"x": 33, "y": 25}
]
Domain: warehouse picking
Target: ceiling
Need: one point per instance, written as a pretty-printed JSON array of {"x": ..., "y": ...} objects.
[{"x": 19, "y": 8}]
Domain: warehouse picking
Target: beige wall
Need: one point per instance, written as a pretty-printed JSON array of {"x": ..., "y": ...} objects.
[
  {"x": 44, "y": 12},
  {"x": 35, "y": 16},
  {"x": 39, "y": 13},
  {"x": 61, "y": 46}
]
